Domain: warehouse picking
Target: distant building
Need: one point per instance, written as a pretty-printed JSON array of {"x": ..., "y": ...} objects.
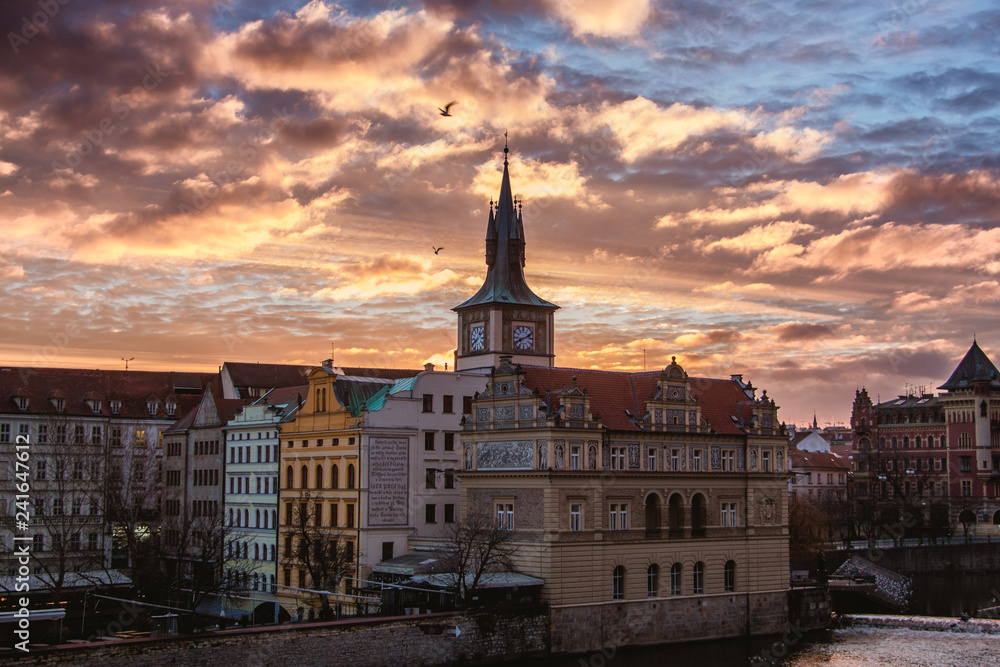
[
  {"x": 824, "y": 479},
  {"x": 94, "y": 466},
  {"x": 935, "y": 456}
]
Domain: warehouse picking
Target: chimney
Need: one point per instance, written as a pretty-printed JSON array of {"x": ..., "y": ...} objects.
[
  {"x": 428, "y": 367},
  {"x": 328, "y": 364}
]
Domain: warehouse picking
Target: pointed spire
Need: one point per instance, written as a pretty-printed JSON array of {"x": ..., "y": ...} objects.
[{"x": 505, "y": 244}]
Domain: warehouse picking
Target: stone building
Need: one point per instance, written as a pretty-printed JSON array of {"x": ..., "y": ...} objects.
[
  {"x": 934, "y": 457},
  {"x": 652, "y": 504}
]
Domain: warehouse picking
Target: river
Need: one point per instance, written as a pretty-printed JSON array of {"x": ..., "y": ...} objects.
[{"x": 855, "y": 647}]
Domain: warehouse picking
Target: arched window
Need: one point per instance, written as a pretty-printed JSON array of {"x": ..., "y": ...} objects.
[
  {"x": 246, "y": 517},
  {"x": 335, "y": 477},
  {"x": 256, "y": 518},
  {"x": 350, "y": 476},
  {"x": 265, "y": 519},
  {"x": 230, "y": 516},
  {"x": 618, "y": 583},
  {"x": 652, "y": 515},
  {"x": 653, "y": 581},
  {"x": 273, "y": 587},
  {"x": 256, "y": 554},
  {"x": 698, "y": 580},
  {"x": 319, "y": 477},
  {"x": 288, "y": 478},
  {"x": 238, "y": 515},
  {"x": 304, "y": 479},
  {"x": 675, "y": 579},
  {"x": 270, "y": 551},
  {"x": 729, "y": 576}
]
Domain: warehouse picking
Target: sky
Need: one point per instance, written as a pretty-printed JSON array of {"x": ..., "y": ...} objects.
[{"x": 802, "y": 192}]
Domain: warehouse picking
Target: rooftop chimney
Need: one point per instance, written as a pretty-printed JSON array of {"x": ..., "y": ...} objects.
[{"x": 428, "y": 367}]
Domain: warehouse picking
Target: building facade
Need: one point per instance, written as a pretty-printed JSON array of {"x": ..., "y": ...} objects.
[{"x": 936, "y": 458}]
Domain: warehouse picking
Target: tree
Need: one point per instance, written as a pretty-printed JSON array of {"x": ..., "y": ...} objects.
[
  {"x": 132, "y": 485},
  {"x": 807, "y": 531},
  {"x": 321, "y": 551},
  {"x": 475, "y": 547}
]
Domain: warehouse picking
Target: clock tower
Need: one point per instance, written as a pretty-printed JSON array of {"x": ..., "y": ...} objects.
[{"x": 505, "y": 317}]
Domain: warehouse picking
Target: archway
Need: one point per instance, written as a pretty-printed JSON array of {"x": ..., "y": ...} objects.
[
  {"x": 652, "y": 515},
  {"x": 675, "y": 510},
  {"x": 698, "y": 517}
]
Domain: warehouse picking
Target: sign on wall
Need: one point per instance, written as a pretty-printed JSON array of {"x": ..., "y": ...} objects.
[{"x": 388, "y": 485}]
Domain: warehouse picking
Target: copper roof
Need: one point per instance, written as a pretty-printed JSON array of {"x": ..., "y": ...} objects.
[
  {"x": 505, "y": 283},
  {"x": 974, "y": 367}
]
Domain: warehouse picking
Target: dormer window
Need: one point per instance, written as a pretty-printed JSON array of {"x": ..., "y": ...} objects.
[
  {"x": 151, "y": 407},
  {"x": 22, "y": 403},
  {"x": 59, "y": 404},
  {"x": 95, "y": 406},
  {"x": 171, "y": 409},
  {"x": 116, "y": 407}
]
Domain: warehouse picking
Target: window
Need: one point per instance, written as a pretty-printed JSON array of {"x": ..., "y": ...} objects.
[
  {"x": 696, "y": 462},
  {"x": 350, "y": 476},
  {"x": 728, "y": 461},
  {"x": 95, "y": 435},
  {"x": 43, "y": 434},
  {"x": 619, "y": 516},
  {"x": 428, "y": 402},
  {"x": 653, "y": 581},
  {"x": 675, "y": 460},
  {"x": 765, "y": 462},
  {"x": 698, "y": 578},
  {"x": 288, "y": 477},
  {"x": 334, "y": 519},
  {"x": 576, "y": 517},
  {"x": 447, "y": 403},
  {"x": 449, "y": 513},
  {"x": 319, "y": 479},
  {"x": 729, "y": 515},
  {"x": 4, "y": 432},
  {"x": 675, "y": 579},
  {"x": 965, "y": 463},
  {"x": 729, "y": 576},
  {"x": 966, "y": 487},
  {"x": 651, "y": 459},
  {"x": 449, "y": 442},
  {"x": 505, "y": 516},
  {"x": 618, "y": 458},
  {"x": 574, "y": 457},
  {"x": 92, "y": 544},
  {"x": 618, "y": 583},
  {"x": 430, "y": 477},
  {"x": 449, "y": 479},
  {"x": 430, "y": 513},
  {"x": 40, "y": 468},
  {"x": 78, "y": 435},
  {"x": 350, "y": 515},
  {"x": 335, "y": 477},
  {"x": 467, "y": 405},
  {"x": 429, "y": 441}
]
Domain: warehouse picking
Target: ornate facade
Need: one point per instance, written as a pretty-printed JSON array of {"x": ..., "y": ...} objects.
[{"x": 935, "y": 456}]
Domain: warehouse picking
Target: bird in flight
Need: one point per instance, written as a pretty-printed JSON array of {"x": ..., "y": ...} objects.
[
  {"x": 437, "y": 249},
  {"x": 444, "y": 112}
]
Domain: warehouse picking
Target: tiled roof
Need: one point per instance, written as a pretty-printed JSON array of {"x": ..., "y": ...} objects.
[
  {"x": 284, "y": 396},
  {"x": 613, "y": 392},
  {"x": 267, "y": 375},
  {"x": 802, "y": 459},
  {"x": 77, "y": 385}
]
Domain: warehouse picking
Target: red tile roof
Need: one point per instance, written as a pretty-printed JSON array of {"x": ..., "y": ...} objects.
[
  {"x": 802, "y": 459},
  {"x": 613, "y": 392},
  {"x": 77, "y": 385}
]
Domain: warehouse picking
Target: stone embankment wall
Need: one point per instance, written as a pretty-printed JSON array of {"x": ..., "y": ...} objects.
[
  {"x": 484, "y": 637},
  {"x": 937, "y": 623},
  {"x": 611, "y": 625}
]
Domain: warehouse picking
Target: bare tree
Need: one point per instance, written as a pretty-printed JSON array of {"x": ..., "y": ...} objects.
[
  {"x": 807, "y": 530},
  {"x": 321, "y": 551},
  {"x": 68, "y": 489},
  {"x": 132, "y": 486},
  {"x": 474, "y": 548}
]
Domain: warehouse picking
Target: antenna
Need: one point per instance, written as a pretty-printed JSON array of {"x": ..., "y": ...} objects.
[{"x": 127, "y": 360}]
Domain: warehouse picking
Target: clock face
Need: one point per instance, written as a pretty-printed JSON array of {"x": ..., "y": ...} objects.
[
  {"x": 477, "y": 338},
  {"x": 524, "y": 337}
]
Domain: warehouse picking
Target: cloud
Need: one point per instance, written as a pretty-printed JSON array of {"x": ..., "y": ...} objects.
[
  {"x": 802, "y": 331},
  {"x": 603, "y": 19},
  {"x": 759, "y": 237}
]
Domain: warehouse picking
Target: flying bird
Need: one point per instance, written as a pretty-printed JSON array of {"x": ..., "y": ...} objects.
[
  {"x": 437, "y": 249},
  {"x": 444, "y": 112}
]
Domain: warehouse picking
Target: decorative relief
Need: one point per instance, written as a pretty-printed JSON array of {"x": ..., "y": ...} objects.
[
  {"x": 526, "y": 412},
  {"x": 716, "y": 458},
  {"x": 559, "y": 457},
  {"x": 468, "y": 458},
  {"x": 592, "y": 457},
  {"x": 767, "y": 510},
  {"x": 753, "y": 460},
  {"x": 779, "y": 461},
  {"x": 576, "y": 411},
  {"x": 482, "y": 414},
  {"x": 658, "y": 416},
  {"x": 543, "y": 457},
  {"x": 675, "y": 416},
  {"x": 517, "y": 455},
  {"x": 606, "y": 458},
  {"x": 504, "y": 413},
  {"x": 740, "y": 460},
  {"x": 692, "y": 418},
  {"x": 633, "y": 456}
]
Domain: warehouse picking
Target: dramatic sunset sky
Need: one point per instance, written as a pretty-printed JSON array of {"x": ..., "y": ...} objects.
[{"x": 803, "y": 192}]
